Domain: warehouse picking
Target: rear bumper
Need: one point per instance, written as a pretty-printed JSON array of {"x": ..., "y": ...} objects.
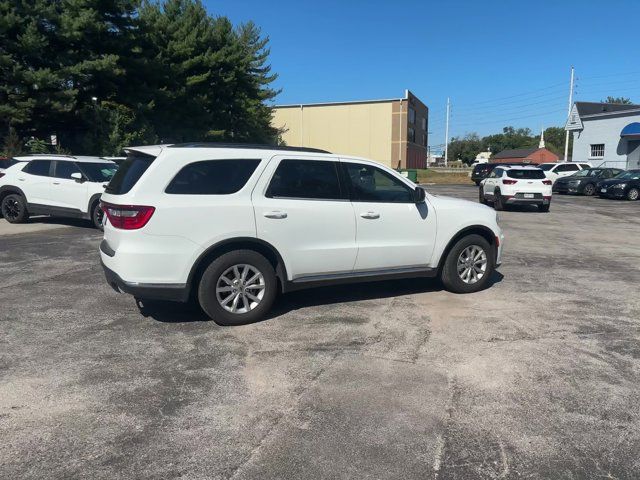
[{"x": 172, "y": 292}]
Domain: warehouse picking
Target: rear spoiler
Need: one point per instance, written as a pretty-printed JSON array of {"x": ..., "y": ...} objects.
[{"x": 150, "y": 150}]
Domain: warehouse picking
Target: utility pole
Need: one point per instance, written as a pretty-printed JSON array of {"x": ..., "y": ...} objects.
[
  {"x": 446, "y": 135},
  {"x": 566, "y": 138}
]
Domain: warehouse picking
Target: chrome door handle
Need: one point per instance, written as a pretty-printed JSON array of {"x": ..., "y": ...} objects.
[
  {"x": 370, "y": 215},
  {"x": 21, "y": 179},
  {"x": 276, "y": 215}
]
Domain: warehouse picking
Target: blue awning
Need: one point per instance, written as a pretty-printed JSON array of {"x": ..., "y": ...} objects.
[{"x": 631, "y": 130}]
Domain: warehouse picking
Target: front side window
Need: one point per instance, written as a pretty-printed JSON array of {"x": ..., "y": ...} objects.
[
  {"x": 597, "y": 150},
  {"x": 38, "y": 167},
  {"x": 371, "y": 184},
  {"x": 308, "y": 179},
  {"x": 212, "y": 177},
  {"x": 65, "y": 169}
]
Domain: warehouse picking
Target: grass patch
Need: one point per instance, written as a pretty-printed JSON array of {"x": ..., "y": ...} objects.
[{"x": 428, "y": 175}]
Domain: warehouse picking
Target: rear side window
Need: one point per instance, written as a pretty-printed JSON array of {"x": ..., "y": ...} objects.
[
  {"x": 128, "y": 174},
  {"x": 305, "y": 179},
  {"x": 7, "y": 162},
  {"x": 38, "y": 167},
  {"x": 570, "y": 167},
  {"x": 526, "y": 174},
  {"x": 212, "y": 177}
]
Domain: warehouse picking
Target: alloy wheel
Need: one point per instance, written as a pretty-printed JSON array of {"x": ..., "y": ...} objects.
[
  {"x": 11, "y": 209},
  {"x": 240, "y": 288},
  {"x": 472, "y": 264},
  {"x": 633, "y": 194}
]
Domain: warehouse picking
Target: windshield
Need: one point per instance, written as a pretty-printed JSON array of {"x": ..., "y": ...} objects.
[
  {"x": 529, "y": 174},
  {"x": 587, "y": 173},
  {"x": 630, "y": 175},
  {"x": 547, "y": 166},
  {"x": 98, "y": 172}
]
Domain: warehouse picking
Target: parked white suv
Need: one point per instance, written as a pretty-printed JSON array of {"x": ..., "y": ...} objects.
[
  {"x": 554, "y": 171},
  {"x": 507, "y": 185},
  {"x": 57, "y": 185},
  {"x": 232, "y": 225}
]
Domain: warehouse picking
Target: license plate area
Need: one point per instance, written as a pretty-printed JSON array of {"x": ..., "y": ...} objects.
[{"x": 529, "y": 195}]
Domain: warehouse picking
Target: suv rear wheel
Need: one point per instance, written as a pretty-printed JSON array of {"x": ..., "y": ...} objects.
[
  {"x": 237, "y": 288},
  {"x": 14, "y": 208},
  {"x": 469, "y": 265}
]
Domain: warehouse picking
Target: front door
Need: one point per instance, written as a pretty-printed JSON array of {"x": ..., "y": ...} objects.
[
  {"x": 67, "y": 192},
  {"x": 301, "y": 208},
  {"x": 392, "y": 230}
]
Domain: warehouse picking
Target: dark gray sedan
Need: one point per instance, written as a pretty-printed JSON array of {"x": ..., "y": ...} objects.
[{"x": 584, "y": 182}]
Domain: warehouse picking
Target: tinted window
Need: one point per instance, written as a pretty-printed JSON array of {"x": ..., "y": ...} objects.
[
  {"x": 566, "y": 168},
  {"x": 128, "y": 174},
  {"x": 371, "y": 184},
  {"x": 532, "y": 174},
  {"x": 38, "y": 167},
  {"x": 7, "y": 162},
  {"x": 98, "y": 171},
  {"x": 65, "y": 169},
  {"x": 305, "y": 179},
  {"x": 547, "y": 166},
  {"x": 212, "y": 177}
]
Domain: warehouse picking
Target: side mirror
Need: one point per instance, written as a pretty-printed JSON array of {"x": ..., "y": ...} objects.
[
  {"x": 419, "y": 195},
  {"x": 77, "y": 176}
]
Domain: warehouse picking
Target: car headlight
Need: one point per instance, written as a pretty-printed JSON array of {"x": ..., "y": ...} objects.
[{"x": 619, "y": 185}]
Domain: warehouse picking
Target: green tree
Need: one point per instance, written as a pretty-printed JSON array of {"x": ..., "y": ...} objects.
[{"x": 623, "y": 100}]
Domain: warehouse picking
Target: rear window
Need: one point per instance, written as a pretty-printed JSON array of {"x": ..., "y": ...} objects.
[
  {"x": 38, "y": 167},
  {"x": 128, "y": 174},
  {"x": 212, "y": 177},
  {"x": 526, "y": 174}
]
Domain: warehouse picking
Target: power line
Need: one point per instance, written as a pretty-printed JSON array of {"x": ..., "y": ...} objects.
[
  {"x": 500, "y": 120},
  {"x": 517, "y": 95}
]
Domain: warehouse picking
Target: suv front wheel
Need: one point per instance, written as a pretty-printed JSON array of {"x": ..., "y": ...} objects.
[
  {"x": 237, "y": 288},
  {"x": 469, "y": 265}
]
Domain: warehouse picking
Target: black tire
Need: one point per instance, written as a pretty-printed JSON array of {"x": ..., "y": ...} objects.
[
  {"x": 633, "y": 194},
  {"x": 96, "y": 216},
  {"x": 208, "y": 298},
  {"x": 14, "y": 208},
  {"x": 544, "y": 208},
  {"x": 498, "y": 203},
  {"x": 589, "y": 189},
  {"x": 481, "y": 198},
  {"x": 449, "y": 275}
]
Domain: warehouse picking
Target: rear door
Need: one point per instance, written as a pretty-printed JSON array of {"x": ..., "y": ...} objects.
[
  {"x": 302, "y": 209},
  {"x": 392, "y": 230},
  {"x": 35, "y": 181},
  {"x": 566, "y": 169},
  {"x": 67, "y": 192}
]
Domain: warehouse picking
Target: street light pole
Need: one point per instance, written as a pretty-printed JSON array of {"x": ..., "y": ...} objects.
[
  {"x": 566, "y": 138},
  {"x": 446, "y": 135}
]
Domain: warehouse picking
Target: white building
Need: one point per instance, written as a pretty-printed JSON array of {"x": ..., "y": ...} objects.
[{"x": 605, "y": 134}]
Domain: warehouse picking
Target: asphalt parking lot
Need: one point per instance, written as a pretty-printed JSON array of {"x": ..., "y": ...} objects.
[{"x": 536, "y": 377}]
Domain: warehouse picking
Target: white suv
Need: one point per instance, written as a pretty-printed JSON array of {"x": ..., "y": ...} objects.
[
  {"x": 233, "y": 225},
  {"x": 508, "y": 185},
  {"x": 57, "y": 185},
  {"x": 554, "y": 171}
]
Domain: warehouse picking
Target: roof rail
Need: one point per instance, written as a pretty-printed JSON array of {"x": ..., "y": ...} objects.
[
  {"x": 47, "y": 155},
  {"x": 256, "y": 146}
]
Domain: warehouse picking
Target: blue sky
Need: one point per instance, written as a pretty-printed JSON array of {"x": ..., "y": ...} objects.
[{"x": 501, "y": 62}]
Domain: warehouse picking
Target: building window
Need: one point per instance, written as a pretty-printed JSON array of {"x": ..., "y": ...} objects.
[
  {"x": 411, "y": 135},
  {"x": 424, "y": 123},
  {"x": 424, "y": 139},
  {"x": 597, "y": 150},
  {"x": 412, "y": 115}
]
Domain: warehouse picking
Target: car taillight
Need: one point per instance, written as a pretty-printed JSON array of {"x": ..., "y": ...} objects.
[
  {"x": 127, "y": 217},
  {"x": 547, "y": 182},
  {"x": 509, "y": 182}
]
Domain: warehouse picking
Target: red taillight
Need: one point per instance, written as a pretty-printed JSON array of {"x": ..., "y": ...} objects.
[
  {"x": 547, "y": 182},
  {"x": 127, "y": 217},
  {"x": 509, "y": 182}
]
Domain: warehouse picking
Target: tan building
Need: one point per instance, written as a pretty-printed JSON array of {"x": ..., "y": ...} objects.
[{"x": 392, "y": 132}]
